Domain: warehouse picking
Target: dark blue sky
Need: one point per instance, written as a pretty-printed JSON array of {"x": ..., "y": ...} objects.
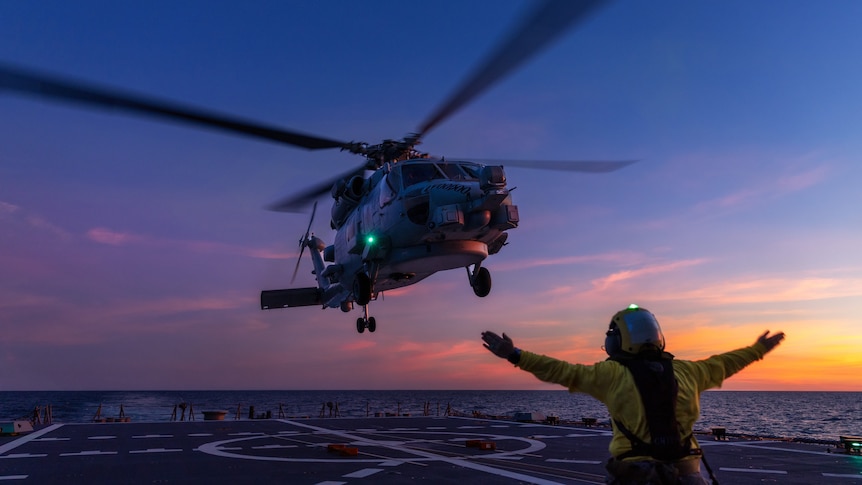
[{"x": 132, "y": 251}]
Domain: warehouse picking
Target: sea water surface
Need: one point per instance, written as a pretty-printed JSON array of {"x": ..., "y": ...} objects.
[{"x": 794, "y": 415}]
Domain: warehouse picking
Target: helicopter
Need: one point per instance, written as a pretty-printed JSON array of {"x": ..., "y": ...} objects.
[{"x": 401, "y": 215}]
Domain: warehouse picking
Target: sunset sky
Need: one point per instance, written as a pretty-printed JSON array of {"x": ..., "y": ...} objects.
[{"x": 133, "y": 251}]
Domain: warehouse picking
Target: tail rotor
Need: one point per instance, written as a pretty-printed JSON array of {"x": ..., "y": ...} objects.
[{"x": 304, "y": 242}]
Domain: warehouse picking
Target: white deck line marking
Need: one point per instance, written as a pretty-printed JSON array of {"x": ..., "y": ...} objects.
[
  {"x": 101, "y": 437},
  {"x": 52, "y": 439},
  {"x": 753, "y": 470},
  {"x": 13, "y": 477},
  {"x": 89, "y": 453},
  {"x": 199, "y": 435},
  {"x": 26, "y": 439},
  {"x": 273, "y": 447},
  {"x": 582, "y": 462},
  {"x": 23, "y": 455},
  {"x": 157, "y": 450},
  {"x": 844, "y": 475},
  {"x": 330, "y": 483},
  {"x": 777, "y": 448},
  {"x": 153, "y": 436},
  {"x": 365, "y": 472}
]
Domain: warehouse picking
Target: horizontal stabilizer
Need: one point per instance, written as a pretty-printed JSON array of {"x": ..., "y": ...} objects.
[{"x": 270, "y": 299}]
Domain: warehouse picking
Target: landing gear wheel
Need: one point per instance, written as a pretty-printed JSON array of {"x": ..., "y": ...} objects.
[
  {"x": 481, "y": 282},
  {"x": 362, "y": 289},
  {"x": 362, "y": 323}
]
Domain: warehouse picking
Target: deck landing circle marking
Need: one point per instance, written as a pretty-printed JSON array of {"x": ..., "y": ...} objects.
[{"x": 217, "y": 448}]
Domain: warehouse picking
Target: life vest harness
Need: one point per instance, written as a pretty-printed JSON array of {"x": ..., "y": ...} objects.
[{"x": 658, "y": 389}]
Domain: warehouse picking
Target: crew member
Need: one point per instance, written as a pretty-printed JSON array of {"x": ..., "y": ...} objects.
[{"x": 653, "y": 399}]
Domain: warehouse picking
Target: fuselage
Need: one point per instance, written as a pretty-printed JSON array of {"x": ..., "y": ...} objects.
[{"x": 411, "y": 219}]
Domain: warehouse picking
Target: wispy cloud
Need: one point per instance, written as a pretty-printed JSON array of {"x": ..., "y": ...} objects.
[
  {"x": 7, "y": 208},
  {"x": 622, "y": 257},
  {"x": 803, "y": 180},
  {"x": 171, "y": 306},
  {"x": 70, "y": 323},
  {"x": 10, "y": 300},
  {"x": 356, "y": 345},
  {"x": 777, "y": 289},
  {"x": 111, "y": 237},
  {"x": 606, "y": 282},
  {"x": 743, "y": 193},
  {"x": 766, "y": 189},
  {"x": 16, "y": 214}
]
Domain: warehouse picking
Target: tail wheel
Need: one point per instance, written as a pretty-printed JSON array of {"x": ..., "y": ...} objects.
[
  {"x": 362, "y": 289},
  {"x": 482, "y": 282}
]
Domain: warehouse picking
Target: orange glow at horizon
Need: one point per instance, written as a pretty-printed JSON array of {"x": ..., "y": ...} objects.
[{"x": 807, "y": 360}]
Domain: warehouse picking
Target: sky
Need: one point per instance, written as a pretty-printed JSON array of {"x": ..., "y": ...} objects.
[{"x": 133, "y": 251}]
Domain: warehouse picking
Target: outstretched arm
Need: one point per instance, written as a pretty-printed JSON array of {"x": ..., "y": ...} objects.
[
  {"x": 770, "y": 342},
  {"x": 713, "y": 371},
  {"x": 502, "y": 347}
]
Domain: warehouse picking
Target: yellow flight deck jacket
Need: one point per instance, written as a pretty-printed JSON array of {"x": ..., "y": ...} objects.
[{"x": 611, "y": 383}]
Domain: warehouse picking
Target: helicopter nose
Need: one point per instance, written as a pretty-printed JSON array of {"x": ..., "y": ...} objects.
[
  {"x": 477, "y": 219},
  {"x": 492, "y": 177}
]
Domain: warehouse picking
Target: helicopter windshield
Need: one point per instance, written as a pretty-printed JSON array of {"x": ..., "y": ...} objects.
[
  {"x": 415, "y": 173},
  {"x": 458, "y": 171}
]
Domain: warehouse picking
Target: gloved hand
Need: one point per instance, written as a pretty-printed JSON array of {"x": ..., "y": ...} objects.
[
  {"x": 501, "y": 347},
  {"x": 772, "y": 341}
]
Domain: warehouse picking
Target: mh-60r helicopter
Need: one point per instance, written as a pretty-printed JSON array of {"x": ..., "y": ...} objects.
[{"x": 402, "y": 215}]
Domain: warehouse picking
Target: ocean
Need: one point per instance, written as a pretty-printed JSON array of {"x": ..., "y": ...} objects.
[{"x": 774, "y": 414}]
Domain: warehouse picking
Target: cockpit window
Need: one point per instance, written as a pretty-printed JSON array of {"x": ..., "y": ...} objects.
[
  {"x": 393, "y": 180},
  {"x": 415, "y": 173},
  {"x": 472, "y": 170},
  {"x": 452, "y": 171}
]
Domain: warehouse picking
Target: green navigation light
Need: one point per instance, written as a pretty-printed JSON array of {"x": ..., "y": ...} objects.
[
  {"x": 633, "y": 307},
  {"x": 369, "y": 239}
]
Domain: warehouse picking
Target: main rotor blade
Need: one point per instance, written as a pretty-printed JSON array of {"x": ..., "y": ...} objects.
[
  {"x": 544, "y": 24},
  {"x": 583, "y": 166},
  {"x": 27, "y": 82},
  {"x": 296, "y": 202}
]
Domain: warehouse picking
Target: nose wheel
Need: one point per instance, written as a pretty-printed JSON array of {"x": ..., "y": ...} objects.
[
  {"x": 366, "y": 322},
  {"x": 480, "y": 280}
]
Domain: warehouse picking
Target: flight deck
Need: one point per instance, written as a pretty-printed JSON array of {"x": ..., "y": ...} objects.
[{"x": 379, "y": 450}]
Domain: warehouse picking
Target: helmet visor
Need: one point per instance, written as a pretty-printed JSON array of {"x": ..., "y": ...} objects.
[{"x": 643, "y": 328}]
